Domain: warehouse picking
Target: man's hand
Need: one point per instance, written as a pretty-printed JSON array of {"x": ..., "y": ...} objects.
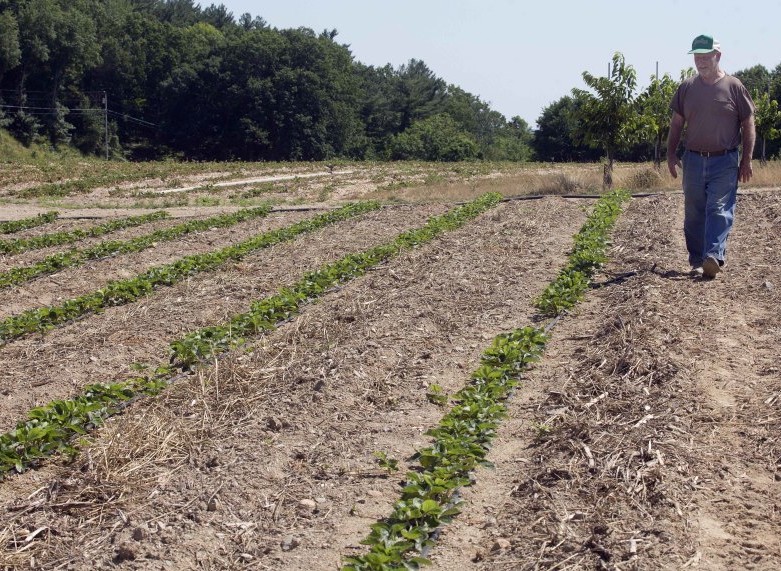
[
  {"x": 746, "y": 172},
  {"x": 672, "y": 162}
]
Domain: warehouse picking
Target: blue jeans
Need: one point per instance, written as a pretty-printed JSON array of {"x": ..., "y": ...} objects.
[{"x": 710, "y": 188}]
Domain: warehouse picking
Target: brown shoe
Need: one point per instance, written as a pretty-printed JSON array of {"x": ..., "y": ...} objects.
[{"x": 710, "y": 267}]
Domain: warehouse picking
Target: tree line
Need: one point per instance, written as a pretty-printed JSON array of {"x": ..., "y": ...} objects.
[
  {"x": 150, "y": 79},
  {"x": 167, "y": 78},
  {"x": 613, "y": 121}
]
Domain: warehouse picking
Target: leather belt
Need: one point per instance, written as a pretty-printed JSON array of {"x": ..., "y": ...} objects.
[{"x": 712, "y": 153}]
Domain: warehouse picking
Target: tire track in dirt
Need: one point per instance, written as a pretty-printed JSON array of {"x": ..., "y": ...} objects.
[
  {"x": 100, "y": 348},
  {"x": 269, "y": 462},
  {"x": 647, "y": 436}
]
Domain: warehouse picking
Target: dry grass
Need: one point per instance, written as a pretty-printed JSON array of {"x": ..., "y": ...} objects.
[
  {"x": 603, "y": 463},
  {"x": 399, "y": 181},
  {"x": 135, "y": 455},
  {"x": 569, "y": 178}
]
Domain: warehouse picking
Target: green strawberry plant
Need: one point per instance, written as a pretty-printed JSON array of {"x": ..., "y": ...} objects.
[
  {"x": 13, "y": 226},
  {"x": 74, "y": 258},
  {"x": 49, "y": 429},
  {"x": 463, "y": 436},
  {"x": 588, "y": 254},
  {"x": 56, "y": 238},
  {"x": 126, "y": 291}
]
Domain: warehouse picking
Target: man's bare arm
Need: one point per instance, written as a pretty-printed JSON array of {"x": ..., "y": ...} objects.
[
  {"x": 749, "y": 137},
  {"x": 673, "y": 138}
]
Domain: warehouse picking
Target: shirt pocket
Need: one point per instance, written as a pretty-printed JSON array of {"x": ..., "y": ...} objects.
[{"x": 725, "y": 107}]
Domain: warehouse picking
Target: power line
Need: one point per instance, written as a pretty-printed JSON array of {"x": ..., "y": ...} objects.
[
  {"x": 66, "y": 109},
  {"x": 133, "y": 119},
  {"x": 46, "y": 92},
  {"x": 32, "y": 110}
]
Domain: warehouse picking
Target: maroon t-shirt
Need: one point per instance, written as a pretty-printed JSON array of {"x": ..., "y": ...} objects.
[{"x": 713, "y": 113}]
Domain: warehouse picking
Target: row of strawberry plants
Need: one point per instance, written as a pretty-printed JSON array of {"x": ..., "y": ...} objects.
[
  {"x": 125, "y": 291},
  {"x": 587, "y": 255},
  {"x": 463, "y": 437},
  {"x": 13, "y": 226},
  {"x": 73, "y": 258},
  {"x": 462, "y": 441},
  {"x": 49, "y": 429},
  {"x": 19, "y": 245},
  {"x": 266, "y": 313}
]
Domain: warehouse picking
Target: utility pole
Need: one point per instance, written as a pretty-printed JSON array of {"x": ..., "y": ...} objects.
[{"x": 105, "y": 119}]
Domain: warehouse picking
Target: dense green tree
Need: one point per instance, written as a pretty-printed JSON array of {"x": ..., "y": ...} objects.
[
  {"x": 314, "y": 94},
  {"x": 59, "y": 43},
  {"x": 555, "y": 140},
  {"x": 775, "y": 83},
  {"x": 476, "y": 117},
  {"x": 419, "y": 93},
  {"x": 512, "y": 142},
  {"x": 380, "y": 116},
  {"x": 767, "y": 120},
  {"x": 10, "y": 55},
  {"x": 654, "y": 107},
  {"x": 755, "y": 79},
  {"x": 608, "y": 119},
  {"x": 774, "y": 146},
  {"x": 10, "y": 52},
  {"x": 138, "y": 55},
  {"x": 436, "y": 138},
  {"x": 247, "y": 22},
  {"x": 218, "y": 16},
  {"x": 179, "y": 13}
]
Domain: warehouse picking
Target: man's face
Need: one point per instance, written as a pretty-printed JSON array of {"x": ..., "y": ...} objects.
[{"x": 706, "y": 62}]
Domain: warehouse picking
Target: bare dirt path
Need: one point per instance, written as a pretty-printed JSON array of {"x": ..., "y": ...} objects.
[{"x": 647, "y": 436}]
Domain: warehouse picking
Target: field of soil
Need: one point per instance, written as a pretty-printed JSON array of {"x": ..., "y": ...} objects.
[{"x": 647, "y": 436}]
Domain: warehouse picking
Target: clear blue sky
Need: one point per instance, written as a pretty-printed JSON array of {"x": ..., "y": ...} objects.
[{"x": 521, "y": 56}]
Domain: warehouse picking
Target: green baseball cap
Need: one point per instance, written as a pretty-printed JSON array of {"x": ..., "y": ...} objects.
[{"x": 705, "y": 45}]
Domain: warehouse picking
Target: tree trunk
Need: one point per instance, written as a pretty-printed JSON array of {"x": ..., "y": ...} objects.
[
  {"x": 607, "y": 172},
  {"x": 763, "y": 161},
  {"x": 657, "y": 151}
]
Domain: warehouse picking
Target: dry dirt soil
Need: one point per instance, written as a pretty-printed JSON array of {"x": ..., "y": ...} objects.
[{"x": 647, "y": 437}]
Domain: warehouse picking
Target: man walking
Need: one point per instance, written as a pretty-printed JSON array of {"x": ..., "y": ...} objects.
[{"x": 718, "y": 113}]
